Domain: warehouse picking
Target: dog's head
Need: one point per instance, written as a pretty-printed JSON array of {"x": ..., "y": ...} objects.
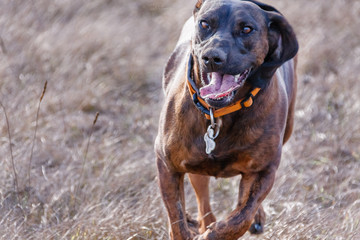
[{"x": 237, "y": 44}]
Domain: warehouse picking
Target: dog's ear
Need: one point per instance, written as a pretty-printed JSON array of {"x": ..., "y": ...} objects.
[
  {"x": 264, "y": 6},
  {"x": 283, "y": 44},
  {"x": 198, "y": 6}
]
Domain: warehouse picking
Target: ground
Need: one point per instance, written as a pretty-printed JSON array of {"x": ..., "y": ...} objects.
[{"x": 65, "y": 177}]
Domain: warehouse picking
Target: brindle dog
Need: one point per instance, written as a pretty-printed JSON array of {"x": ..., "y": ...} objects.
[{"x": 226, "y": 51}]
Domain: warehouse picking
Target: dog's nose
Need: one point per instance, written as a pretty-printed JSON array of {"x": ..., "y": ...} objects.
[{"x": 213, "y": 59}]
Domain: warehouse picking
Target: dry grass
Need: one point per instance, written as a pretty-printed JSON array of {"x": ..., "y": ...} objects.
[{"x": 107, "y": 57}]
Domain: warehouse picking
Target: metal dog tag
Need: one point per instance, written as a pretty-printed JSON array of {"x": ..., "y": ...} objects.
[
  {"x": 211, "y": 133},
  {"x": 209, "y": 140}
]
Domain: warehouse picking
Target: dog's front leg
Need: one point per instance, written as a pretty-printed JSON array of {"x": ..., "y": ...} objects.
[
  {"x": 200, "y": 184},
  {"x": 253, "y": 189},
  {"x": 172, "y": 192}
]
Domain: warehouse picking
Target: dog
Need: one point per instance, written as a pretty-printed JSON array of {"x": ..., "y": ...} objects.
[{"x": 230, "y": 87}]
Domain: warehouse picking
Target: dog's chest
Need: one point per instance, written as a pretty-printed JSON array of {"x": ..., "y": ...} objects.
[
  {"x": 221, "y": 165},
  {"x": 236, "y": 152},
  {"x": 226, "y": 160}
]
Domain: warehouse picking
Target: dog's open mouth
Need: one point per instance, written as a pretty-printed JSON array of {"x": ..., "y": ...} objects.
[{"x": 222, "y": 87}]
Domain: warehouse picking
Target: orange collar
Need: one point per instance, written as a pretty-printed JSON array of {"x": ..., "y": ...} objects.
[{"x": 205, "y": 108}]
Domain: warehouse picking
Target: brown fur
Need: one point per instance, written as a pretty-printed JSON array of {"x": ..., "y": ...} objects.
[{"x": 250, "y": 141}]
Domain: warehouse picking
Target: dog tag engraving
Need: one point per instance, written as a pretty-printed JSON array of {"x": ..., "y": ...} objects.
[{"x": 209, "y": 140}]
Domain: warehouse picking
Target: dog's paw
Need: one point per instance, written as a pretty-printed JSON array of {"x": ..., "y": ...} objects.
[
  {"x": 214, "y": 231},
  {"x": 257, "y": 227},
  {"x": 204, "y": 236},
  {"x": 192, "y": 224}
]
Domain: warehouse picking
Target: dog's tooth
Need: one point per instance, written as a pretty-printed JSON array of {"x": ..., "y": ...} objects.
[
  {"x": 209, "y": 77},
  {"x": 237, "y": 78}
]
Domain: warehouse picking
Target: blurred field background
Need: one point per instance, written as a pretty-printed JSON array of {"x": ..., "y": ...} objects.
[{"x": 98, "y": 181}]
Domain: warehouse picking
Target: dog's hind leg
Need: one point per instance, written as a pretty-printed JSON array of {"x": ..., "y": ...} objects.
[
  {"x": 257, "y": 227},
  {"x": 200, "y": 184}
]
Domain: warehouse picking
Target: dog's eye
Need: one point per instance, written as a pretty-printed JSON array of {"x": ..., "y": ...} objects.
[
  {"x": 204, "y": 24},
  {"x": 246, "y": 30}
]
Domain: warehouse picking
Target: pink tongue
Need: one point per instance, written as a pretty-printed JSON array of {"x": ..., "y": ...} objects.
[{"x": 219, "y": 86}]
